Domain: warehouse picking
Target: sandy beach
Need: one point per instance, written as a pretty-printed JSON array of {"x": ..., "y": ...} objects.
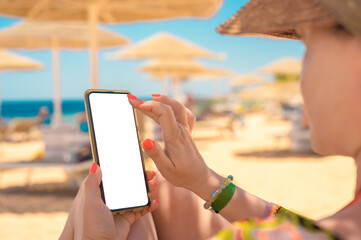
[{"x": 312, "y": 185}]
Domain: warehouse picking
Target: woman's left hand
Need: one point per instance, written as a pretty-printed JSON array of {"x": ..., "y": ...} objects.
[{"x": 90, "y": 218}]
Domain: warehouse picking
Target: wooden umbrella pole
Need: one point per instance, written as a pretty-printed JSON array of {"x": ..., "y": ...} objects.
[
  {"x": 176, "y": 89},
  {"x": 217, "y": 87},
  {"x": 92, "y": 20},
  {"x": 165, "y": 83},
  {"x": 56, "y": 84},
  {"x": 0, "y": 96}
]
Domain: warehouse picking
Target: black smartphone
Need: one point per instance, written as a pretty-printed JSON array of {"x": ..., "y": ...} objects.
[{"x": 116, "y": 149}]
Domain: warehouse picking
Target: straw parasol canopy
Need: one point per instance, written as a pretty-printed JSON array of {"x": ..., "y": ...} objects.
[
  {"x": 245, "y": 79},
  {"x": 285, "y": 65},
  {"x": 55, "y": 35},
  {"x": 66, "y": 35},
  {"x": 163, "y": 46},
  {"x": 111, "y": 11},
  {"x": 181, "y": 71},
  {"x": 173, "y": 58},
  {"x": 215, "y": 74},
  {"x": 177, "y": 70},
  {"x": 13, "y": 62},
  {"x": 10, "y": 61},
  {"x": 275, "y": 92},
  {"x": 107, "y": 11}
]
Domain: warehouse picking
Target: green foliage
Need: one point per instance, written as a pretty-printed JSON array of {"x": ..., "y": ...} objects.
[{"x": 283, "y": 77}]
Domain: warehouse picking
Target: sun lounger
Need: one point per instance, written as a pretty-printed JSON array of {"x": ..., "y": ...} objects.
[
  {"x": 63, "y": 142},
  {"x": 299, "y": 136},
  {"x": 21, "y": 129}
]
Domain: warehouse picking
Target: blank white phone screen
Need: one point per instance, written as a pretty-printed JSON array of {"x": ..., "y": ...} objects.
[{"x": 118, "y": 150}]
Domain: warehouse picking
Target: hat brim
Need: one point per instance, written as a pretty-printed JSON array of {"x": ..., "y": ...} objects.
[{"x": 277, "y": 18}]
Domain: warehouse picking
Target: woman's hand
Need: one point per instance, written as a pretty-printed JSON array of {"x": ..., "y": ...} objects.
[
  {"x": 90, "y": 218},
  {"x": 180, "y": 162}
]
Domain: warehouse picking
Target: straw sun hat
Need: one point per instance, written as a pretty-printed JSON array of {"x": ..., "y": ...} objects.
[{"x": 279, "y": 18}]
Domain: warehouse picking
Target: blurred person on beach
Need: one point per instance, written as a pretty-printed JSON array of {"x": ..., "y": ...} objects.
[
  {"x": 331, "y": 88},
  {"x": 43, "y": 115},
  {"x": 2, "y": 124},
  {"x": 240, "y": 112},
  {"x": 81, "y": 122}
]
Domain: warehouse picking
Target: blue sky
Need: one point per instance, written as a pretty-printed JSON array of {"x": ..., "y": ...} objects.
[{"x": 244, "y": 54}]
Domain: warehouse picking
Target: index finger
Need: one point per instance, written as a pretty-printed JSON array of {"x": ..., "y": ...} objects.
[
  {"x": 135, "y": 102},
  {"x": 164, "y": 115},
  {"x": 178, "y": 108}
]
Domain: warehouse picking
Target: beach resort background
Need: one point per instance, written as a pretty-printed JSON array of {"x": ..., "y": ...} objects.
[{"x": 258, "y": 136}]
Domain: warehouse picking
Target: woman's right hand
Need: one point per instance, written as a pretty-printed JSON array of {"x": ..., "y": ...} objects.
[{"x": 180, "y": 161}]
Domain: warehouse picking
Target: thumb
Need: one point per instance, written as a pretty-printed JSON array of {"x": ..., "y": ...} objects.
[
  {"x": 92, "y": 182},
  {"x": 156, "y": 153}
]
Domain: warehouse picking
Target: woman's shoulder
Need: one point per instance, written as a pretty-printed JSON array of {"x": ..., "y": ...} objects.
[
  {"x": 344, "y": 223},
  {"x": 281, "y": 224}
]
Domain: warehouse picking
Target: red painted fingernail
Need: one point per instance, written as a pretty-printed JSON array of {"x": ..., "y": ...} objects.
[
  {"x": 131, "y": 96},
  {"x": 155, "y": 95},
  {"x": 140, "y": 103},
  {"x": 148, "y": 143},
  {"x": 154, "y": 173},
  {"x": 93, "y": 168},
  {"x": 155, "y": 183}
]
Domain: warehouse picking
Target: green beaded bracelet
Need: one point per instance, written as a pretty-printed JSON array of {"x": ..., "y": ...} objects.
[
  {"x": 224, "y": 198},
  {"x": 216, "y": 193}
]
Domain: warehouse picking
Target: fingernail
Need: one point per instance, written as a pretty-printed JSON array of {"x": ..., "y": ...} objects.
[
  {"x": 155, "y": 95},
  {"x": 154, "y": 173},
  {"x": 148, "y": 143},
  {"x": 93, "y": 168},
  {"x": 155, "y": 183},
  {"x": 140, "y": 103},
  {"x": 157, "y": 200},
  {"x": 131, "y": 96}
]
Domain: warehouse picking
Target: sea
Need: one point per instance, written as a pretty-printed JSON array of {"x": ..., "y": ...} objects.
[{"x": 30, "y": 108}]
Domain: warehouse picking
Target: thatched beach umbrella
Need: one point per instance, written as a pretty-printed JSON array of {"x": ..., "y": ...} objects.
[
  {"x": 107, "y": 11},
  {"x": 245, "y": 79},
  {"x": 13, "y": 62},
  {"x": 35, "y": 35},
  {"x": 181, "y": 71},
  {"x": 285, "y": 65},
  {"x": 215, "y": 74},
  {"x": 177, "y": 70},
  {"x": 163, "y": 46},
  {"x": 173, "y": 68},
  {"x": 172, "y": 57},
  {"x": 275, "y": 92}
]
